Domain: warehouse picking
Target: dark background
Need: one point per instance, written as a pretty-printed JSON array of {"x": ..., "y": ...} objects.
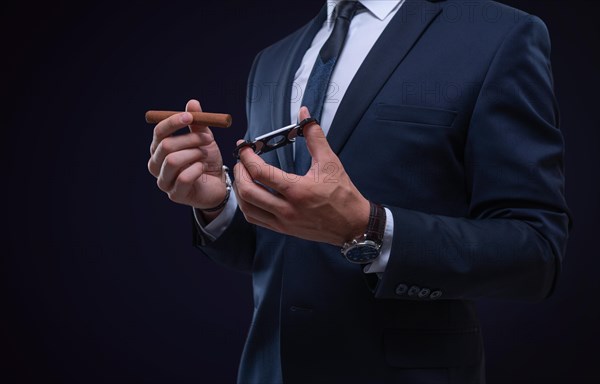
[{"x": 100, "y": 281}]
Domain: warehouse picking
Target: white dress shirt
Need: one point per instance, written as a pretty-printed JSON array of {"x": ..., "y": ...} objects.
[{"x": 365, "y": 29}]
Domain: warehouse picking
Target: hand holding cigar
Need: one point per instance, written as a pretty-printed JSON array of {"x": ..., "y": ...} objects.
[{"x": 221, "y": 120}]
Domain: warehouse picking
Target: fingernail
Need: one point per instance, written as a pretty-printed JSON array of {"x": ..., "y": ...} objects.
[
  {"x": 239, "y": 142},
  {"x": 185, "y": 118}
]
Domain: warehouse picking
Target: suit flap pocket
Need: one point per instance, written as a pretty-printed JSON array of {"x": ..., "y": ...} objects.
[
  {"x": 432, "y": 349},
  {"x": 414, "y": 114}
]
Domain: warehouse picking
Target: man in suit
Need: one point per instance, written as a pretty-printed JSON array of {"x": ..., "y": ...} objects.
[{"x": 436, "y": 179}]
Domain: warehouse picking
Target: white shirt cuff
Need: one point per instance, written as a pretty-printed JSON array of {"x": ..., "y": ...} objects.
[
  {"x": 379, "y": 264},
  {"x": 215, "y": 228}
]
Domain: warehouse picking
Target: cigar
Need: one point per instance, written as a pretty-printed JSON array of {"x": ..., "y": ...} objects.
[{"x": 221, "y": 120}]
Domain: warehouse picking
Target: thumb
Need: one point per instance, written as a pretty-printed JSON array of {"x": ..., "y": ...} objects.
[
  {"x": 317, "y": 143},
  {"x": 194, "y": 106}
]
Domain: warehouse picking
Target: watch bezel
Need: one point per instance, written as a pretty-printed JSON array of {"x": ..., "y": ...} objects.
[
  {"x": 368, "y": 245},
  {"x": 362, "y": 244}
]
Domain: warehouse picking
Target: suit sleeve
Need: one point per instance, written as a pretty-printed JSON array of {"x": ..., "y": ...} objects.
[
  {"x": 512, "y": 242},
  {"x": 234, "y": 248}
]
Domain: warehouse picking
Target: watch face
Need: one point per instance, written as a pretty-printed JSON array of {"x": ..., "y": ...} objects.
[{"x": 362, "y": 253}]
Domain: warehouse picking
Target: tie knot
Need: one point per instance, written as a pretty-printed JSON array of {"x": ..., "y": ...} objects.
[{"x": 346, "y": 9}]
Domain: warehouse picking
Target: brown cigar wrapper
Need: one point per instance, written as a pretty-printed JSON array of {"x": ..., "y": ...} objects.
[{"x": 221, "y": 120}]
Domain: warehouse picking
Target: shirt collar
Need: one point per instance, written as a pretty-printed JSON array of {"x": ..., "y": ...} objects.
[{"x": 379, "y": 8}]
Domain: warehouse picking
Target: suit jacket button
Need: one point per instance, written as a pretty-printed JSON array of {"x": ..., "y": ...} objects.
[
  {"x": 401, "y": 289},
  {"x": 435, "y": 295},
  {"x": 424, "y": 293},
  {"x": 413, "y": 291}
]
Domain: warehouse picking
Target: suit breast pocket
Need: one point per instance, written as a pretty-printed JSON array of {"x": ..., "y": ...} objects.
[{"x": 414, "y": 115}]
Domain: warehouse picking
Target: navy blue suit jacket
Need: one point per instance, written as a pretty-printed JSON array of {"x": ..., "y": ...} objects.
[{"x": 451, "y": 123}]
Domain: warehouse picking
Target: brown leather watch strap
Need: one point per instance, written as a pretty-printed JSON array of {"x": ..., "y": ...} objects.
[{"x": 376, "y": 226}]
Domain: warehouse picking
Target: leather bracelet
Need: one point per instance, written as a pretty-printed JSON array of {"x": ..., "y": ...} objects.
[
  {"x": 227, "y": 193},
  {"x": 376, "y": 226}
]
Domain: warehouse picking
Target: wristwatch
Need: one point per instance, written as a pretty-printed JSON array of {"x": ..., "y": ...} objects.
[{"x": 365, "y": 248}]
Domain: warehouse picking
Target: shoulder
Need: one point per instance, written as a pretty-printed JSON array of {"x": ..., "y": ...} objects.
[
  {"x": 481, "y": 10},
  {"x": 486, "y": 15},
  {"x": 485, "y": 23}
]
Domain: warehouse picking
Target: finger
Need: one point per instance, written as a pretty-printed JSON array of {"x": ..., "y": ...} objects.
[
  {"x": 248, "y": 157},
  {"x": 252, "y": 165},
  {"x": 250, "y": 191},
  {"x": 255, "y": 221},
  {"x": 194, "y": 106},
  {"x": 317, "y": 143},
  {"x": 174, "y": 144},
  {"x": 303, "y": 113},
  {"x": 257, "y": 169},
  {"x": 173, "y": 165},
  {"x": 255, "y": 214},
  {"x": 169, "y": 126},
  {"x": 185, "y": 181}
]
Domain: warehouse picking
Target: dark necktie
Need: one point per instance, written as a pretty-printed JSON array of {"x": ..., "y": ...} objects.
[{"x": 318, "y": 81}]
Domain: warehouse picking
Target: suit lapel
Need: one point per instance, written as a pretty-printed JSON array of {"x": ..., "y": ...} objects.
[
  {"x": 281, "y": 104},
  {"x": 411, "y": 20}
]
